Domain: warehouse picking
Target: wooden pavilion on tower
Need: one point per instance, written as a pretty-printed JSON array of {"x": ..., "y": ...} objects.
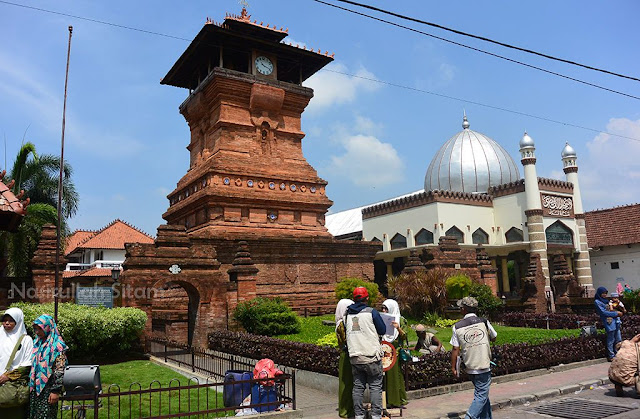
[{"x": 249, "y": 201}]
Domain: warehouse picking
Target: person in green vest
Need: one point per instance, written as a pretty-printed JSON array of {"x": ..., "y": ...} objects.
[
  {"x": 396, "y": 392},
  {"x": 16, "y": 347}
]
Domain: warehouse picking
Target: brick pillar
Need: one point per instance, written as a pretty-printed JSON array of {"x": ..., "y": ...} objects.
[
  {"x": 538, "y": 240},
  {"x": 534, "y": 297},
  {"x": 242, "y": 280},
  {"x": 414, "y": 264},
  {"x": 488, "y": 274},
  {"x": 562, "y": 277},
  {"x": 583, "y": 261},
  {"x": 43, "y": 265}
]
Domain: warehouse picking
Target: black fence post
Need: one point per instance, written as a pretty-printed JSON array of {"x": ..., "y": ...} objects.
[
  {"x": 165, "y": 351},
  {"x": 293, "y": 384},
  {"x": 193, "y": 360},
  {"x": 95, "y": 404}
]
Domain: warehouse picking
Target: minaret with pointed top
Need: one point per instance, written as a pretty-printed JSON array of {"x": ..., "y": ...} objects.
[
  {"x": 582, "y": 260},
  {"x": 535, "y": 226}
]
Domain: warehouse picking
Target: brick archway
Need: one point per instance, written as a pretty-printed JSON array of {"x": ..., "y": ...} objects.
[{"x": 175, "y": 309}]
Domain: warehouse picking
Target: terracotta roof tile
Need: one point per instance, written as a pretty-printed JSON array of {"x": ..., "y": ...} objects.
[
  {"x": 12, "y": 208},
  {"x": 613, "y": 226},
  {"x": 75, "y": 239},
  {"x": 113, "y": 236}
]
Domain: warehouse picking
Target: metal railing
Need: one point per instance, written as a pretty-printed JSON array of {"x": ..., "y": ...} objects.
[{"x": 178, "y": 399}]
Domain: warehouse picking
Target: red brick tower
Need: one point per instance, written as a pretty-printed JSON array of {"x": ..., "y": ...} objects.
[{"x": 247, "y": 175}]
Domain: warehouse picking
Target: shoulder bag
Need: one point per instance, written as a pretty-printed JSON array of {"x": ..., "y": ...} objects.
[{"x": 15, "y": 392}]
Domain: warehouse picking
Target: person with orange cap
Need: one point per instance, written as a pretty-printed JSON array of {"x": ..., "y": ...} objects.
[{"x": 364, "y": 326}]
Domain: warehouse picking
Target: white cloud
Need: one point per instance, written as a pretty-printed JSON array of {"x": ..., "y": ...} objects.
[
  {"x": 22, "y": 85},
  {"x": 367, "y": 161},
  {"x": 609, "y": 172},
  {"x": 333, "y": 88},
  {"x": 446, "y": 72}
]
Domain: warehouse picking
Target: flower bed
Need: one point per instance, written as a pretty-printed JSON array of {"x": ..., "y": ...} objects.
[{"x": 563, "y": 321}]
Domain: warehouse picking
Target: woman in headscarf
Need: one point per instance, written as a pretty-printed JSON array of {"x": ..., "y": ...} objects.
[
  {"x": 396, "y": 393},
  {"x": 608, "y": 319},
  {"x": 345, "y": 376},
  {"x": 15, "y": 364},
  {"x": 49, "y": 361}
]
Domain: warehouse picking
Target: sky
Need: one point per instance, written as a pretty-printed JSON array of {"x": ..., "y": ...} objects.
[{"x": 126, "y": 140}]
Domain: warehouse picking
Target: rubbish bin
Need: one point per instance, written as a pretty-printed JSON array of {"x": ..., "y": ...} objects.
[{"x": 234, "y": 393}]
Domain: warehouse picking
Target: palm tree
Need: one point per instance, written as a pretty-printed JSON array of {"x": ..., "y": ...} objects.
[{"x": 38, "y": 177}]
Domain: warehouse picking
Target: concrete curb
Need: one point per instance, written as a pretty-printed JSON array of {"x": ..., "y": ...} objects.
[
  {"x": 530, "y": 398},
  {"x": 467, "y": 385}
]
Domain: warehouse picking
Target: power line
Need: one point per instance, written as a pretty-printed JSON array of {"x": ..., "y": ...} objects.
[
  {"x": 485, "y": 105},
  {"x": 482, "y": 38},
  {"x": 337, "y": 72},
  {"x": 388, "y": 22}
]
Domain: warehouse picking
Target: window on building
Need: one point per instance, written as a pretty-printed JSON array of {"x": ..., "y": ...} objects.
[
  {"x": 514, "y": 235},
  {"x": 615, "y": 265},
  {"x": 480, "y": 237},
  {"x": 398, "y": 241},
  {"x": 558, "y": 233},
  {"x": 455, "y": 232},
  {"x": 424, "y": 237},
  {"x": 375, "y": 239}
]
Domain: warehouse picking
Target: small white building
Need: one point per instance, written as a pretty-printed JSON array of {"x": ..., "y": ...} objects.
[
  {"x": 614, "y": 240},
  {"x": 473, "y": 191}
]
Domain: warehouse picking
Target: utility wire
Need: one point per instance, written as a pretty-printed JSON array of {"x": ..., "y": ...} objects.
[
  {"x": 479, "y": 50},
  {"x": 400, "y": 86},
  {"x": 482, "y": 38},
  {"x": 484, "y": 105}
]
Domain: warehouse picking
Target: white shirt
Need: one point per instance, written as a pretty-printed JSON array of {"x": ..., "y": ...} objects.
[{"x": 455, "y": 343}]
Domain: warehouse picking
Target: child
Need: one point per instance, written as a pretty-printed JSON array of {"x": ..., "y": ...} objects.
[{"x": 616, "y": 305}]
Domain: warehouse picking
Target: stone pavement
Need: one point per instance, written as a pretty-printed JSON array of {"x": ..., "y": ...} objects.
[{"x": 526, "y": 388}]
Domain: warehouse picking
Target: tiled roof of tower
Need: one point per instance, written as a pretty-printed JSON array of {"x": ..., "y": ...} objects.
[
  {"x": 613, "y": 226},
  {"x": 12, "y": 208},
  {"x": 89, "y": 273},
  {"x": 113, "y": 236}
]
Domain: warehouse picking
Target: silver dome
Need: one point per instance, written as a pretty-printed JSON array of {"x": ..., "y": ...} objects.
[
  {"x": 470, "y": 162},
  {"x": 568, "y": 151},
  {"x": 527, "y": 142}
]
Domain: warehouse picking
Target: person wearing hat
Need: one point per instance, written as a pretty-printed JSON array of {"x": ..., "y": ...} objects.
[
  {"x": 470, "y": 339},
  {"x": 364, "y": 326},
  {"x": 428, "y": 343}
]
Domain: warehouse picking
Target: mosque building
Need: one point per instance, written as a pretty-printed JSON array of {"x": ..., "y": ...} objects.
[{"x": 473, "y": 192}]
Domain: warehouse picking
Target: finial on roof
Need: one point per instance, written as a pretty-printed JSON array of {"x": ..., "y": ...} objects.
[{"x": 465, "y": 122}]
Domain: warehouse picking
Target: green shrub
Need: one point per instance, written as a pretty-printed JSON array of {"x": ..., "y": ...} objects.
[
  {"x": 328, "y": 340},
  {"x": 267, "y": 316},
  {"x": 488, "y": 303},
  {"x": 458, "y": 286},
  {"x": 444, "y": 323},
  {"x": 420, "y": 292},
  {"x": 430, "y": 319},
  {"x": 345, "y": 287},
  {"x": 93, "y": 333}
]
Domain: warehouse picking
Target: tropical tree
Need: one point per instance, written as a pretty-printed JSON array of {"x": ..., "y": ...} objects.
[{"x": 38, "y": 177}]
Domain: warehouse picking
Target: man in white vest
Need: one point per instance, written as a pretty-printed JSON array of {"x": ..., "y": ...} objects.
[
  {"x": 364, "y": 326},
  {"x": 471, "y": 337}
]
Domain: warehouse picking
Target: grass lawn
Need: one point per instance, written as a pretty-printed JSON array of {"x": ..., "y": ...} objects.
[
  {"x": 313, "y": 329},
  {"x": 145, "y": 374}
]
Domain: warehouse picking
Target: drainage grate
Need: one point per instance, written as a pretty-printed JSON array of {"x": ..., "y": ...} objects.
[{"x": 581, "y": 409}]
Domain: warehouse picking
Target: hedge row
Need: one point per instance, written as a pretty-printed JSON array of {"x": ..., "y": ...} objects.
[
  {"x": 562, "y": 321},
  {"x": 429, "y": 371},
  {"x": 99, "y": 334},
  {"x": 306, "y": 356}
]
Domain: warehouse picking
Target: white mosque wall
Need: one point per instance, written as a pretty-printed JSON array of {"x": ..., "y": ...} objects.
[
  {"x": 569, "y": 222},
  {"x": 508, "y": 212},
  {"x": 628, "y": 266},
  {"x": 398, "y": 222},
  {"x": 467, "y": 218}
]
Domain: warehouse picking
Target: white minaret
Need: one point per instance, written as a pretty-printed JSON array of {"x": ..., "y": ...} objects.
[
  {"x": 582, "y": 260},
  {"x": 535, "y": 225}
]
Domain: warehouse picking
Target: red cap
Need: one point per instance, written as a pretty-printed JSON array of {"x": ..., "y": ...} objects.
[{"x": 360, "y": 293}]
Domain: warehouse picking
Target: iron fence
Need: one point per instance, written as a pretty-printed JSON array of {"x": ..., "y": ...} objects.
[{"x": 177, "y": 399}]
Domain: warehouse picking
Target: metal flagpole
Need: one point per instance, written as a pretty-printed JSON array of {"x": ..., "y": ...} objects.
[{"x": 56, "y": 296}]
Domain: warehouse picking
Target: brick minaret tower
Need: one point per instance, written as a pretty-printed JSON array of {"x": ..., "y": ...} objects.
[{"x": 247, "y": 175}]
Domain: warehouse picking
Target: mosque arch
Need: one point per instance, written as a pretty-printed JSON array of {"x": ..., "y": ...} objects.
[
  {"x": 455, "y": 232},
  {"x": 424, "y": 236},
  {"x": 559, "y": 234},
  {"x": 514, "y": 235},
  {"x": 375, "y": 239},
  {"x": 398, "y": 241},
  {"x": 480, "y": 237}
]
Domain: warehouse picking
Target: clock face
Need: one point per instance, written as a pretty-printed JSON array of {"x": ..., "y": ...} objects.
[{"x": 264, "y": 65}]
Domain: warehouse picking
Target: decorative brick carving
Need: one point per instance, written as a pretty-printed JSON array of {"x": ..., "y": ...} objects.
[
  {"x": 43, "y": 266},
  {"x": 564, "y": 283},
  {"x": 414, "y": 264},
  {"x": 533, "y": 295}
]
